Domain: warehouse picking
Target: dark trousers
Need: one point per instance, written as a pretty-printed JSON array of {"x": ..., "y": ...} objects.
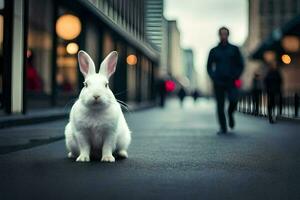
[
  {"x": 273, "y": 100},
  {"x": 221, "y": 92},
  {"x": 162, "y": 99},
  {"x": 256, "y": 101}
]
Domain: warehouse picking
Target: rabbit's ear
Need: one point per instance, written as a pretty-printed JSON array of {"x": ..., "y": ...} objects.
[
  {"x": 86, "y": 64},
  {"x": 108, "y": 66}
]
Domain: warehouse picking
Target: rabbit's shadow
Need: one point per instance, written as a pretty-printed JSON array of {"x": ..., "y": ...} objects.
[
  {"x": 229, "y": 135},
  {"x": 97, "y": 159}
]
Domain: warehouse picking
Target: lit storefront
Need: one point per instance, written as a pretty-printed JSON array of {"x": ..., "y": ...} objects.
[
  {"x": 54, "y": 31},
  {"x": 283, "y": 46}
]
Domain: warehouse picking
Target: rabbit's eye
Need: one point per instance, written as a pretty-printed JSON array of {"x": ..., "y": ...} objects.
[
  {"x": 85, "y": 84},
  {"x": 106, "y": 85}
]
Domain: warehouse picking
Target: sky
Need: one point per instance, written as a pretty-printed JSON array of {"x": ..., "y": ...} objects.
[{"x": 199, "y": 21}]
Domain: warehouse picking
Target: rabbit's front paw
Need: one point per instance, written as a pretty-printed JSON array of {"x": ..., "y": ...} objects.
[
  {"x": 108, "y": 158},
  {"x": 83, "y": 158}
]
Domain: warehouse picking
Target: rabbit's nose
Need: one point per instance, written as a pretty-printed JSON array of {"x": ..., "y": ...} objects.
[{"x": 96, "y": 97}]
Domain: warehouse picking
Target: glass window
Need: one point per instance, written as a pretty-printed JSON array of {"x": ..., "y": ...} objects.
[
  {"x": 108, "y": 46},
  {"x": 131, "y": 77},
  {"x": 39, "y": 52},
  {"x": 67, "y": 74},
  {"x": 92, "y": 43}
]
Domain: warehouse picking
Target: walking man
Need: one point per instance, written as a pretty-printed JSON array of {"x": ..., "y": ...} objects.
[{"x": 224, "y": 66}]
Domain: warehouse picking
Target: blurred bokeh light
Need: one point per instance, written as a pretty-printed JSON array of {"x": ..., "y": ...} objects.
[
  {"x": 131, "y": 59},
  {"x": 68, "y": 27},
  {"x": 286, "y": 59},
  {"x": 72, "y": 48}
]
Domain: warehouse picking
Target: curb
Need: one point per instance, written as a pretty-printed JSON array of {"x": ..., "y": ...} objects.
[
  {"x": 50, "y": 115},
  {"x": 286, "y": 118},
  {"x": 27, "y": 119},
  {"x": 280, "y": 117}
]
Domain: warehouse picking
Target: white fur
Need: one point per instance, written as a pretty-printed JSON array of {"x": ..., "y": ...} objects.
[{"x": 97, "y": 125}]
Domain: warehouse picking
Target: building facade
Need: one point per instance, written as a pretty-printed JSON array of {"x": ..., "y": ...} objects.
[
  {"x": 39, "y": 48},
  {"x": 154, "y": 22},
  {"x": 164, "y": 61},
  {"x": 175, "y": 68},
  {"x": 266, "y": 17},
  {"x": 156, "y": 31}
]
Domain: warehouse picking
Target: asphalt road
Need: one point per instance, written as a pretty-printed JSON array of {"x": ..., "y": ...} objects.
[{"x": 175, "y": 154}]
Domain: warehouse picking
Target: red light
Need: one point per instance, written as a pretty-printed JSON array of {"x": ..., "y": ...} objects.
[
  {"x": 238, "y": 83},
  {"x": 170, "y": 86}
]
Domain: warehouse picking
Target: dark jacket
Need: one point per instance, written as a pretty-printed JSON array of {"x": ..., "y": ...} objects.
[
  {"x": 225, "y": 64},
  {"x": 273, "y": 82},
  {"x": 256, "y": 85}
]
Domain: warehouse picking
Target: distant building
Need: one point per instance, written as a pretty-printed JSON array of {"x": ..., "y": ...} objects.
[
  {"x": 267, "y": 15},
  {"x": 154, "y": 22},
  {"x": 38, "y": 54},
  {"x": 175, "y": 68},
  {"x": 156, "y": 31},
  {"x": 164, "y": 58},
  {"x": 189, "y": 67},
  {"x": 265, "y": 18}
]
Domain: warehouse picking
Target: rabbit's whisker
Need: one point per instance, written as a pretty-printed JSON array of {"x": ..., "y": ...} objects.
[
  {"x": 120, "y": 93},
  {"x": 122, "y": 102},
  {"x": 123, "y": 105}
]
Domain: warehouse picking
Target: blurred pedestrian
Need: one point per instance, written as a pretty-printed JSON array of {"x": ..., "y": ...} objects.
[
  {"x": 225, "y": 65},
  {"x": 196, "y": 95},
  {"x": 34, "y": 81},
  {"x": 273, "y": 83},
  {"x": 256, "y": 92},
  {"x": 181, "y": 95},
  {"x": 161, "y": 92}
]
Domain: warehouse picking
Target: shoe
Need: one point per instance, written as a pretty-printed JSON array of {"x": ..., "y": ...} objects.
[
  {"x": 271, "y": 120},
  {"x": 222, "y": 132},
  {"x": 231, "y": 121}
]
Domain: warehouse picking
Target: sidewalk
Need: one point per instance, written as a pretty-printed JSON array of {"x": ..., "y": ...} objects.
[{"x": 175, "y": 154}]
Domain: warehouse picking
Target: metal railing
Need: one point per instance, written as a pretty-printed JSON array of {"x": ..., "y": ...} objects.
[{"x": 287, "y": 105}]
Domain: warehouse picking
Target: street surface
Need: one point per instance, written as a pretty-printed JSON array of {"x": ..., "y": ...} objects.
[{"x": 175, "y": 154}]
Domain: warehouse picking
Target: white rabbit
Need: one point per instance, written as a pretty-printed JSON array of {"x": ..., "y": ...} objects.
[{"x": 96, "y": 122}]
